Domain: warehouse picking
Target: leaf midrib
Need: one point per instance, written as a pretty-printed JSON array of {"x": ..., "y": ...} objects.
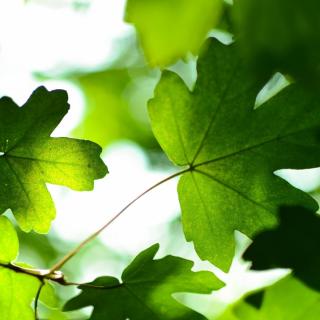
[
  {"x": 34, "y": 121},
  {"x": 43, "y": 160},
  {"x": 215, "y": 114},
  {"x": 140, "y": 300},
  {"x": 234, "y": 190},
  {"x": 20, "y": 182},
  {"x": 203, "y": 203}
]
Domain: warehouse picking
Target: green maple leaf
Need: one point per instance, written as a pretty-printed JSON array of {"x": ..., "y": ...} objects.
[
  {"x": 232, "y": 149},
  {"x": 288, "y": 299},
  {"x": 146, "y": 289},
  {"x": 30, "y": 158},
  {"x": 17, "y": 290},
  {"x": 293, "y": 244},
  {"x": 169, "y": 29}
]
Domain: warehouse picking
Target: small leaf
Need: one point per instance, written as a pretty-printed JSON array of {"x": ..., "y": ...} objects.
[
  {"x": 169, "y": 29},
  {"x": 233, "y": 149},
  {"x": 31, "y": 158},
  {"x": 9, "y": 242},
  {"x": 146, "y": 289},
  {"x": 17, "y": 290},
  {"x": 293, "y": 244}
]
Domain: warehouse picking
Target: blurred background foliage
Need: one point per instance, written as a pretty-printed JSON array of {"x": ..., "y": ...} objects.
[
  {"x": 168, "y": 30},
  {"x": 109, "y": 56},
  {"x": 115, "y": 96},
  {"x": 280, "y": 36}
]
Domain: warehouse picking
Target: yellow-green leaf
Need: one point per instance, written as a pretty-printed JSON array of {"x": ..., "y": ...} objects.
[
  {"x": 30, "y": 158},
  {"x": 169, "y": 29},
  {"x": 287, "y": 299},
  {"x": 17, "y": 290}
]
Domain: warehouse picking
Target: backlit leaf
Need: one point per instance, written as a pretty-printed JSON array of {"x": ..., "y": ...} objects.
[
  {"x": 232, "y": 149},
  {"x": 287, "y": 299},
  {"x": 30, "y": 158},
  {"x": 145, "y": 290},
  {"x": 17, "y": 290},
  {"x": 169, "y": 29}
]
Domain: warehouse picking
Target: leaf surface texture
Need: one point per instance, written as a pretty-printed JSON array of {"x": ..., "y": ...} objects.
[{"x": 31, "y": 158}]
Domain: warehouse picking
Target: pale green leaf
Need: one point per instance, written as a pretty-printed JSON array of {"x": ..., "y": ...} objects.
[
  {"x": 9, "y": 242},
  {"x": 169, "y": 29},
  {"x": 17, "y": 290},
  {"x": 288, "y": 299}
]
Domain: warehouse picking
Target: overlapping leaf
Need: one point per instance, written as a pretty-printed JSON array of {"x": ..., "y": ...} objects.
[
  {"x": 30, "y": 158},
  {"x": 169, "y": 29},
  {"x": 288, "y": 299},
  {"x": 17, "y": 290},
  {"x": 233, "y": 149},
  {"x": 293, "y": 244},
  {"x": 146, "y": 289},
  {"x": 281, "y": 35}
]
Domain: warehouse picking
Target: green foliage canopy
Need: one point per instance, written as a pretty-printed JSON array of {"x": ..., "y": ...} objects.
[{"x": 227, "y": 145}]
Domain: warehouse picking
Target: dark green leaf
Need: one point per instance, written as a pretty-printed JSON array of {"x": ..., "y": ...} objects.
[
  {"x": 281, "y": 35},
  {"x": 233, "y": 149},
  {"x": 146, "y": 289},
  {"x": 30, "y": 158},
  {"x": 294, "y": 244}
]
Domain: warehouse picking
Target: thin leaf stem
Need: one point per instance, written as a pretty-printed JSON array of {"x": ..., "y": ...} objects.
[
  {"x": 36, "y": 300},
  {"x": 89, "y": 285},
  {"x": 74, "y": 251}
]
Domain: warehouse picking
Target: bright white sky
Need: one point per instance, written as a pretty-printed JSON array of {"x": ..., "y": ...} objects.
[{"x": 46, "y": 35}]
